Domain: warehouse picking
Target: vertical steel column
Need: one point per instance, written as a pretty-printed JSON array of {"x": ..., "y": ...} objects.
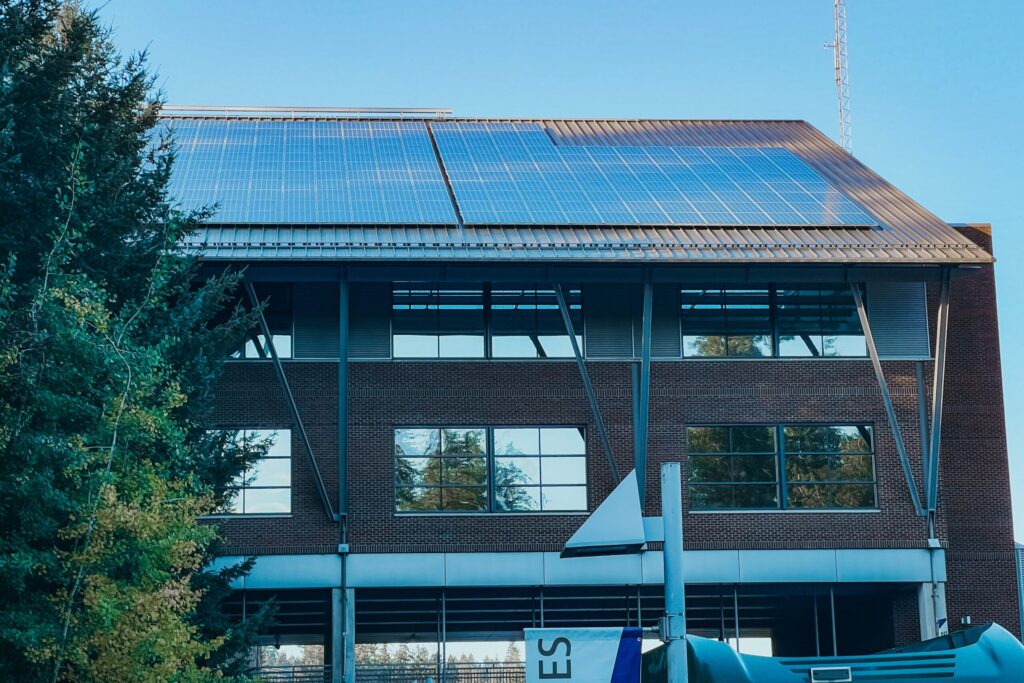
[
  {"x": 343, "y": 406},
  {"x": 588, "y": 388},
  {"x": 290, "y": 399},
  {"x": 736, "y": 615},
  {"x": 640, "y": 455},
  {"x": 817, "y": 629},
  {"x": 922, "y": 415},
  {"x": 890, "y": 411},
  {"x": 349, "y": 595},
  {"x": 337, "y": 653},
  {"x": 832, "y": 602},
  {"x": 675, "y": 588},
  {"x": 939, "y": 383}
]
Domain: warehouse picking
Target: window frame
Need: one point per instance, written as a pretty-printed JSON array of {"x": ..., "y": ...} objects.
[
  {"x": 486, "y": 289},
  {"x": 783, "y": 480},
  {"x": 279, "y": 430},
  {"x": 773, "y": 315},
  {"x": 778, "y": 481},
  {"x": 490, "y": 455}
]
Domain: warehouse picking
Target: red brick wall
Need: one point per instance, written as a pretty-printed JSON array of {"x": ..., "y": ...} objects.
[
  {"x": 974, "y": 513},
  {"x": 974, "y": 499}
]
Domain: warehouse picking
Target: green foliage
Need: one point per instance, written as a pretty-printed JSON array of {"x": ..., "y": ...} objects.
[{"x": 108, "y": 356}]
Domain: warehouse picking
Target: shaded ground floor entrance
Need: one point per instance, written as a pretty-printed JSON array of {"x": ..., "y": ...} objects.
[{"x": 442, "y": 633}]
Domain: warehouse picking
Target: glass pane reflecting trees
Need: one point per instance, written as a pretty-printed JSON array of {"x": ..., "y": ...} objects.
[
  {"x": 738, "y": 467},
  {"x": 515, "y": 469}
]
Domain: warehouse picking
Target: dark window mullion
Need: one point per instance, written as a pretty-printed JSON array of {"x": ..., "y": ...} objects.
[{"x": 780, "y": 449}]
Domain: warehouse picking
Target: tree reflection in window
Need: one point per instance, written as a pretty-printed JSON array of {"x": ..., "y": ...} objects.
[
  {"x": 726, "y": 322},
  {"x": 732, "y": 467},
  {"x": 830, "y": 466},
  {"x": 440, "y": 470},
  {"x": 446, "y": 469}
]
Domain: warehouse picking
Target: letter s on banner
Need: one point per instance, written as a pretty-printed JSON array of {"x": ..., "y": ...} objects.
[{"x": 582, "y": 655}]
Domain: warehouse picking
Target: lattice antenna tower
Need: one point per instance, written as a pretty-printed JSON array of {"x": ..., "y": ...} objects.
[{"x": 842, "y": 76}]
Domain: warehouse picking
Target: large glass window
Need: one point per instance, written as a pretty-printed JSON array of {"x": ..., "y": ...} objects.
[
  {"x": 266, "y": 488},
  {"x": 527, "y": 323},
  {"x": 726, "y": 322},
  {"x": 441, "y": 470},
  {"x": 819, "y": 322},
  {"x": 278, "y": 313},
  {"x": 812, "y": 322},
  {"x": 540, "y": 469},
  {"x": 431, "y": 322},
  {"x": 449, "y": 469},
  {"x": 733, "y": 467},
  {"x": 738, "y": 467},
  {"x": 830, "y": 467}
]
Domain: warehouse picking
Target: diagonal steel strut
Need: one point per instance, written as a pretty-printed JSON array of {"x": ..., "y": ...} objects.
[
  {"x": 293, "y": 409},
  {"x": 588, "y": 388},
  {"x": 890, "y": 411}
]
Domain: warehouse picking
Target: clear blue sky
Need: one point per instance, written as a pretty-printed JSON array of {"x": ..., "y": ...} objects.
[{"x": 938, "y": 85}]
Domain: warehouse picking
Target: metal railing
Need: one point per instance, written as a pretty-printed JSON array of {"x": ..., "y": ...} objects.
[
  {"x": 283, "y": 673},
  {"x": 454, "y": 672}
]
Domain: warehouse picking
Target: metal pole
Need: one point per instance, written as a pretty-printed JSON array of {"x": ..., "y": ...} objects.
[
  {"x": 640, "y": 456},
  {"x": 832, "y": 600},
  {"x": 736, "y": 615},
  {"x": 817, "y": 629},
  {"x": 675, "y": 589}
]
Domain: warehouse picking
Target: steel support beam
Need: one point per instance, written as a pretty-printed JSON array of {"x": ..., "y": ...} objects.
[
  {"x": 644, "y": 403},
  {"x": 938, "y": 387},
  {"x": 343, "y": 404},
  {"x": 890, "y": 411},
  {"x": 290, "y": 399},
  {"x": 588, "y": 388}
]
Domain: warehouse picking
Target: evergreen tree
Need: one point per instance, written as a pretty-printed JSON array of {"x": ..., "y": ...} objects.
[{"x": 109, "y": 348}]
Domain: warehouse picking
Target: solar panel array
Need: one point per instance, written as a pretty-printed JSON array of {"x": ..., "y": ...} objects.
[
  {"x": 512, "y": 173},
  {"x": 310, "y": 171}
]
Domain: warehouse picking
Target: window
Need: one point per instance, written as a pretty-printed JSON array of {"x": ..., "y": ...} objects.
[
  {"x": 761, "y": 323},
  {"x": 482, "y": 321},
  {"x": 830, "y": 467},
  {"x": 540, "y": 469},
  {"x": 428, "y": 322},
  {"x": 819, "y": 322},
  {"x": 278, "y": 314},
  {"x": 527, "y": 323},
  {"x": 441, "y": 470},
  {"x": 733, "y": 467},
  {"x": 490, "y": 469},
  {"x": 823, "y": 467},
  {"x": 266, "y": 488},
  {"x": 726, "y": 322}
]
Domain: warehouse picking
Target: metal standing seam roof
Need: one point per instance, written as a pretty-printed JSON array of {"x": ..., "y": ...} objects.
[{"x": 907, "y": 233}]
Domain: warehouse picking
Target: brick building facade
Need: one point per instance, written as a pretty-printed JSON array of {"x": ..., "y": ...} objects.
[{"x": 832, "y": 554}]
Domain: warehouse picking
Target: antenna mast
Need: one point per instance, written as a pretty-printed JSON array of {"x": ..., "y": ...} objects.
[{"x": 838, "y": 46}]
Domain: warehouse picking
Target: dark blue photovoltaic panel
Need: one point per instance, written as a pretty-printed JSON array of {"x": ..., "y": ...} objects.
[
  {"x": 310, "y": 171},
  {"x": 512, "y": 173}
]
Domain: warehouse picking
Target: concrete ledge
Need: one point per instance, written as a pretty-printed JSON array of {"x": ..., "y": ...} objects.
[{"x": 398, "y": 570}]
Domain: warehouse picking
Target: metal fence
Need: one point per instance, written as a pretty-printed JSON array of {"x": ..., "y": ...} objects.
[
  {"x": 455, "y": 672},
  {"x": 291, "y": 674},
  {"x": 461, "y": 672}
]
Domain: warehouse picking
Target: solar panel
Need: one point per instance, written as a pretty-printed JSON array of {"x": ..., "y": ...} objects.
[
  {"x": 310, "y": 171},
  {"x": 512, "y": 173}
]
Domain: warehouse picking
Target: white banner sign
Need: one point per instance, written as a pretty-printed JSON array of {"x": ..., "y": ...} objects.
[{"x": 583, "y": 655}]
